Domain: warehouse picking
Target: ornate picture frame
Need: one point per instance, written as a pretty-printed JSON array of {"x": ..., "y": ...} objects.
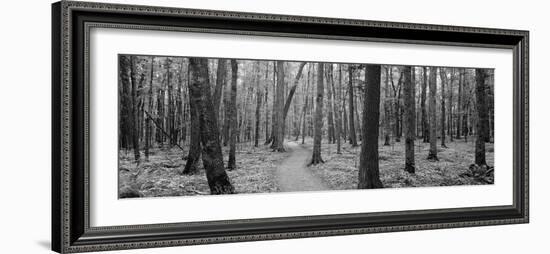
[{"x": 71, "y": 230}]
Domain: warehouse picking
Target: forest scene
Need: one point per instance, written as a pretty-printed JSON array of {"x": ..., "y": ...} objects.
[{"x": 206, "y": 126}]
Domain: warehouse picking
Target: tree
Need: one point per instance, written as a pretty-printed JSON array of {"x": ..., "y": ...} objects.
[
  {"x": 233, "y": 115},
  {"x": 318, "y": 127},
  {"x": 149, "y": 108},
  {"x": 433, "y": 125},
  {"x": 278, "y": 107},
  {"x": 396, "y": 103},
  {"x": 220, "y": 83},
  {"x": 410, "y": 115},
  {"x": 330, "y": 119},
  {"x": 483, "y": 117},
  {"x": 194, "y": 153},
  {"x": 459, "y": 109},
  {"x": 128, "y": 78},
  {"x": 352, "y": 134},
  {"x": 443, "y": 77},
  {"x": 369, "y": 175},
  {"x": 258, "y": 105},
  {"x": 334, "y": 108},
  {"x": 425, "y": 128},
  {"x": 387, "y": 106},
  {"x": 212, "y": 158}
]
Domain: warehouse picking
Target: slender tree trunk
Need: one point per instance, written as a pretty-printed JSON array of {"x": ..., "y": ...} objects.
[
  {"x": 443, "y": 77},
  {"x": 459, "y": 104},
  {"x": 387, "y": 116},
  {"x": 233, "y": 116},
  {"x": 305, "y": 108},
  {"x": 483, "y": 116},
  {"x": 352, "y": 134},
  {"x": 258, "y": 105},
  {"x": 266, "y": 103},
  {"x": 410, "y": 115},
  {"x": 425, "y": 128},
  {"x": 212, "y": 157},
  {"x": 330, "y": 118},
  {"x": 149, "y": 108},
  {"x": 221, "y": 73},
  {"x": 134, "y": 117},
  {"x": 369, "y": 175},
  {"x": 432, "y": 105},
  {"x": 334, "y": 108},
  {"x": 318, "y": 128},
  {"x": 450, "y": 130}
]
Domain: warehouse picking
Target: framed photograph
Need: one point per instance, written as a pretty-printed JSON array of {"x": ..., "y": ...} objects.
[{"x": 182, "y": 126}]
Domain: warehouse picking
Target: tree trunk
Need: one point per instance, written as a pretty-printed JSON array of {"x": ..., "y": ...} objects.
[
  {"x": 233, "y": 116},
  {"x": 483, "y": 116},
  {"x": 369, "y": 175},
  {"x": 334, "y": 108},
  {"x": 221, "y": 73},
  {"x": 352, "y": 134},
  {"x": 258, "y": 105},
  {"x": 195, "y": 140},
  {"x": 278, "y": 124},
  {"x": 410, "y": 117},
  {"x": 459, "y": 108},
  {"x": 266, "y": 103},
  {"x": 425, "y": 128},
  {"x": 149, "y": 108},
  {"x": 330, "y": 118},
  {"x": 450, "y": 129},
  {"x": 443, "y": 77},
  {"x": 134, "y": 117},
  {"x": 305, "y": 108},
  {"x": 387, "y": 116},
  {"x": 212, "y": 158},
  {"x": 318, "y": 128},
  {"x": 432, "y": 105}
]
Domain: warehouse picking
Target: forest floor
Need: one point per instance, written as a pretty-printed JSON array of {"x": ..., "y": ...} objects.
[
  {"x": 340, "y": 171},
  {"x": 256, "y": 172},
  {"x": 259, "y": 170}
]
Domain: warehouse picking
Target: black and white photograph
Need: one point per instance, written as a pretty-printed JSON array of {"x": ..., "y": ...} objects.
[{"x": 200, "y": 126}]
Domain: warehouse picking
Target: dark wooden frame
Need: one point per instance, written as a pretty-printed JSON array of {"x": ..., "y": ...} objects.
[{"x": 70, "y": 198}]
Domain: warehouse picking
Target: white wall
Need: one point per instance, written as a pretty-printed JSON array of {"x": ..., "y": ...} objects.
[{"x": 25, "y": 125}]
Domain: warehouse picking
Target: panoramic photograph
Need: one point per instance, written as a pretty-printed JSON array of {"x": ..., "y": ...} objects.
[{"x": 204, "y": 126}]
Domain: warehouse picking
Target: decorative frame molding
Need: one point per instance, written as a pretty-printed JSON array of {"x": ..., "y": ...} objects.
[{"x": 71, "y": 22}]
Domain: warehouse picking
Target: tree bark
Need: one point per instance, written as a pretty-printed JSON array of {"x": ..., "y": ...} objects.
[
  {"x": 334, "y": 107},
  {"x": 387, "y": 106},
  {"x": 212, "y": 158},
  {"x": 352, "y": 134},
  {"x": 432, "y": 105},
  {"x": 410, "y": 117},
  {"x": 221, "y": 74},
  {"x": 318, "y": 128},
  {"x": 369, "y": 175},
  {"x": 233, "y": 116},
  {"x": 443, "y": 77},
  {"x": 134, "y": 98},
  {"x": 278, "y": 124},
  {"x": 459, "y": 108},
  {"x": 258, "y": 105},
  {"x": 149, "y": 108},
  {"x": 425, "y": 128},
  {"x": 483, "y": 116},
  {"x": 194, "y": 153}
]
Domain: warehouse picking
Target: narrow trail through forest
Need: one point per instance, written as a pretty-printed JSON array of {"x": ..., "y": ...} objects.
[{"x": 293, "y": 174}]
